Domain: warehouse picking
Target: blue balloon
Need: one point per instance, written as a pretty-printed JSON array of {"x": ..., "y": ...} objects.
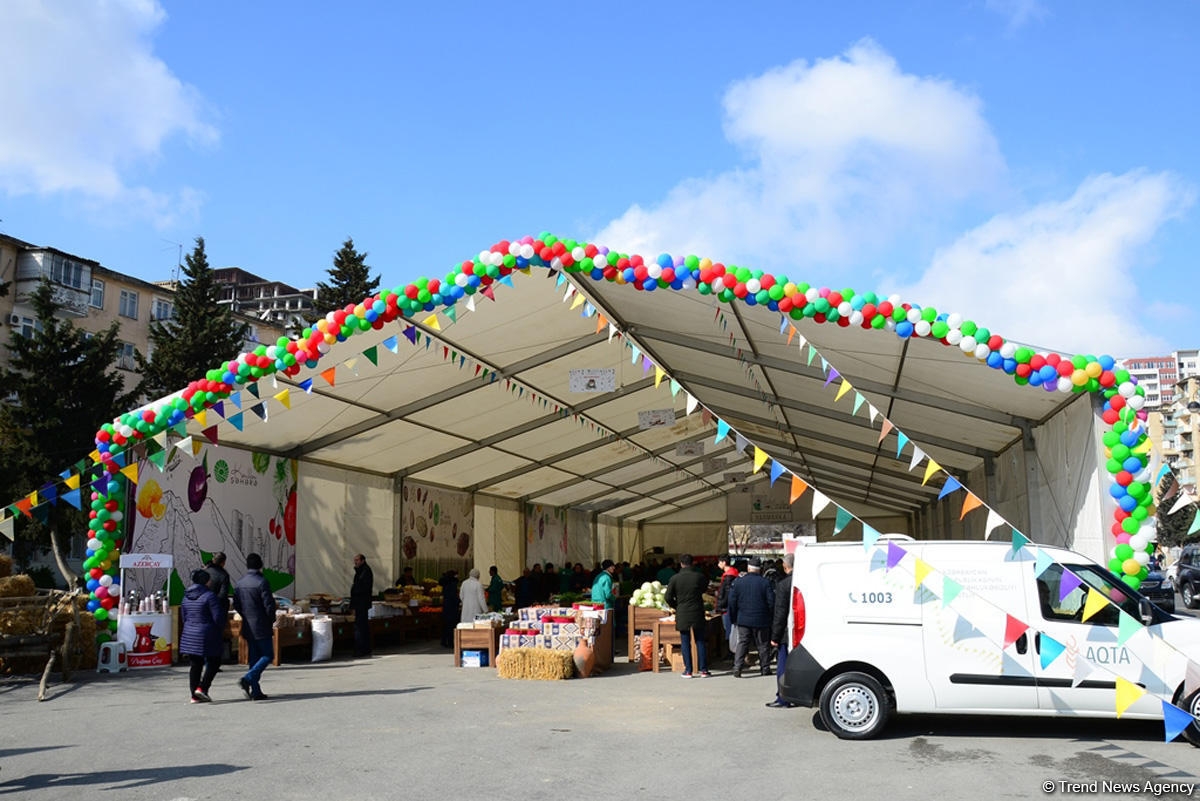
[
  {"x": 1132, "y": 465},
  {"x": 597, "y": 273},
  {"x": 1106, "y": 362},
  {"x": 772, "y": 305},
  {"x": 995, "y": 360},
  {"x": 1048, "y": 373},
  {"x": 677, "y": 283},
  {"x": 628, "y": 275},
  {"x": 1130, "y": 438},
  {"x": 92, "y": 584},
  {"x": 1010, "y": 366},
  {"x": 904, "y": 329},
  {"x": 472, "y": 280},
  {"x": 113, "y": 488},
  {"x": 1035, "y": 378},
  {"x": 1128, "y": 503},
  {"x": 93, "y": 605},
  {"x": 751, "y": 300},
  {"x": 665, "y": 260},
  {"x": 649, "y": 285},
  {"x": 856, "y": 302},
  {"x": 1117, "y": 491},
  {"x": 311, "y": 363}
]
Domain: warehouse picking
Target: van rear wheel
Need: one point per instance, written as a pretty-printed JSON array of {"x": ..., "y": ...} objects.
[
  {"x": 855, "y": 706},
  {"x": 1192, "y": 732}
]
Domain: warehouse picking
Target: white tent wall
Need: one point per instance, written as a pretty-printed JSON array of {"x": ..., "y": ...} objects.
[
  {"x": 341, "y": 513},
  {"x": 1053, "y": 493},
  {"x": 610, "y": 540},
  {"x": 581, "y": 538},
  {"x": 499, "y": 536},
  {"x": 887, "y": 524}
]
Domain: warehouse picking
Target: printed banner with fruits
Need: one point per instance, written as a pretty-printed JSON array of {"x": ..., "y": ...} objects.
[
  {"x": 436, "y": 523},
  {"x": 222, "y": 499}
]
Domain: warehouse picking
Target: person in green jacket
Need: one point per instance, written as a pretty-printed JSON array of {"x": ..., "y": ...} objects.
[
  {"x": 602, "y": 587},
  {"x": 495, "y": 590}
]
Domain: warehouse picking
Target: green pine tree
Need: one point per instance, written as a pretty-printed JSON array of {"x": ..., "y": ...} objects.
[
  {"x": 350, "y": 281},
  {"x": 202, "y": 335},
  {"x": 64, "y": 386}
]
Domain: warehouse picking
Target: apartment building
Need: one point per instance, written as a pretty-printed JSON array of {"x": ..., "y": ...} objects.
[
  {"x": 92, "y": 297},
  {"x": 1181, "y": 433}
]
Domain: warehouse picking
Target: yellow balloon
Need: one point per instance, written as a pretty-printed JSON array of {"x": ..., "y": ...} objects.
[
  {"x": 1079, "y": 378},
  {"x": 790, "y": 289},
  {"x": 1093, "y": 369},
  {"x": 705, "y": 263}
]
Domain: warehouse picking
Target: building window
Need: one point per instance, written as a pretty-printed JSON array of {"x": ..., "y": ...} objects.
[
  {"x": 163, "y": 310},
  {"x": 129, "y": 304},
  {"x": 125, "y": 357},
  {"x": 97, "y": 293},
  {"x": 66, "y": 272},
  {"x": 28, "y": 326}
]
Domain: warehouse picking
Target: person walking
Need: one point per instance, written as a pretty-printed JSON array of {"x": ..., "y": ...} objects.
[
  {"x": 449, "y": 582},
  {"x": 752, "y": 609},
  {"x": 202, "y": 625},
  {"x": 728, "y": 574},
  {"x": 254, "y": 601},
  {"x": 495, "y": 590},
  {"x": 473, "y": 601},
  {"x": 218, "y": 582},
  {"x": 685, "y": 594},
  {"x": 779, "y": 637},
  {"x": 362, "y": 591}
]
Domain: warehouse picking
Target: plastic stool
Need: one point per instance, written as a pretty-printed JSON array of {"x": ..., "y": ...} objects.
[{"x": 111, "y": 658}]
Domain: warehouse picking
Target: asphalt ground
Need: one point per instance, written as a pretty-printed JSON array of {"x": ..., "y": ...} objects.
[{"x": 408, "y": 725}]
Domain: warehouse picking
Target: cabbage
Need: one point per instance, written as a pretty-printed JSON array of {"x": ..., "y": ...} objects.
[
  {"x": 647, "y": 586},
  {"x": 657, "y": 585}
]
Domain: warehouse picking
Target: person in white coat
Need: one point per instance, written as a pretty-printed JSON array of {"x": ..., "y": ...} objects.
[{"x": 473, "y": 600}]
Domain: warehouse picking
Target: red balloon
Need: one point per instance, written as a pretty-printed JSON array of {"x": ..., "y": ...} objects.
[
  {"x": 995, "y": 342},
  {"x": 1110, "y": 416},
  {"x": 886, "y": 308},
  {"x": 1065, "y": 369},
  {"x": 835, "y": 299},
  {"x": 1123, "y": 478},
  {"x": 785, "y": 305},
  {"x": 1117, "y": 402},
  {"x": 1023, "y": 370},
  {"x": 868, "y": 311}
]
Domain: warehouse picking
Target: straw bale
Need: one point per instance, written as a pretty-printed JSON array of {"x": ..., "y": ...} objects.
[
  {"x": 17, "y": 586},
  {"x": 535, "y": 663},
  {"x": 5, "y": 565}
]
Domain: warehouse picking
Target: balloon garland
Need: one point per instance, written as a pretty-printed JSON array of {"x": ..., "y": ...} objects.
[{"x": 1127, "y": 444}]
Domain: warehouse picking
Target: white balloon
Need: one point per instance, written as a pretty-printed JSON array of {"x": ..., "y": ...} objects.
[
  {"x": 894, "y": 300},
  {"x": 1139, "y": 541},
  {"x": 1008, "y": 350},
  {"x": 1064, "y": 384},
  {"x": 913, "y": 316},
  {"x": 812, "y": 294},
  {"x": 272, "y": 351},
  {"x": 600, "y": 260},
  {"x": 856, "y": 318},
  {"x": 106, "y": 581},
  {"x": 654, "y": 271},
  {"x": 323, "y": 347},
  {"x": 1127, "y": 389},
  {"x": 485, "y": 257},
  {"x": 982, "y": 351},
  {"x": 1136, "y": 402},
  {"x": 954, "y": 336},
  {"x": 514, "y": 248},
  {"x": 753, "y": 285},
  {"x": 1142, "y": 557},
  {"x": 922, "y": 328},
  {"x": 94, "y": 543},
  {"x": 118, "y": 516},
  {"x": 527, "y": 251},
  {"x": 578, "y": 253},
  {"x": 718, "y": 283},
  {"x": 845, "y": 309},
  {"x": 954, "y": 320},
  {"x": 689, "y": 283},
  {"x": 462, "y": 279},
  {"x": 890, "y": 325},
  {"x": 968, "y": 344}
]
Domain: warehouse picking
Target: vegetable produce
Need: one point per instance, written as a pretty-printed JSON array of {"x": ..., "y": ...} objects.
[{"x": 649, "y": 596}]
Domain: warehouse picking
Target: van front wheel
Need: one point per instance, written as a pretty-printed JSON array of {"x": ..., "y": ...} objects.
[
  {"x": 855, "y": 706},
  {"x": 1192, "y": 732}
]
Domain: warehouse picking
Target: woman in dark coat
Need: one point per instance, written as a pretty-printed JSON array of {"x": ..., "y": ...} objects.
[{"x": 201, "y": 637}]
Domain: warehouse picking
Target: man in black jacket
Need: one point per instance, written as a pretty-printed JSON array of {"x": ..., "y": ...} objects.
[
  {"x": 752, "y": 610},
  {"x": 218, "y": 582},
  {"x": 254, "y": 601},
  {"x": 779, "y": 638},
  {"x": 362, "y": 590}
]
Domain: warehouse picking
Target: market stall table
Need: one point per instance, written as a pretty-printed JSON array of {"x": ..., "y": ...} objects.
[
  {"x": 481, "y": 639},
  {"x": 665, "y": 636}
]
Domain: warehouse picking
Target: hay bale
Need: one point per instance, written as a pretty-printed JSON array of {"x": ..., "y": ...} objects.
[
  {"x": 17, "y": 586},
  {"x": 540, "y": 664},
  {"x": 5, "y": 565}
]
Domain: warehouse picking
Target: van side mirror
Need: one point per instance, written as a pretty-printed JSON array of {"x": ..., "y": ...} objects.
[{"x": 1145, "y": 611}]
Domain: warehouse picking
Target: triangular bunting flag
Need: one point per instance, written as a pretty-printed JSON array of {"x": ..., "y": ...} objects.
[
  {"x": 760, "y": 458},
  {"x": 675, "y": 387},
  {"x": 1042, "y": 563},
  {"x": 833, "y": 373},
  {"x": 691, "y": 403},
  {"x": 1050, "y": 649},
  {"x": 918, "y": 456},
  {"x": 950, "y": 590},
  {"x": 202, "y": 416},
  {"x": 432, "y": 320},
  {"x": 42, "y": 514},
  {"x": 819, "y": 503},
  {"x": 575, "y": 304},
  {"x": 1013, "y": 629},
  {"x": 634, "y": 353},
  {"x": 798, "y": 487},
  {"x": 1127, "y": 693},
  {"x": 842, "y": 390},
  {"x": 236, "y": 398},
  {"x": 972, "y": 501},
  {"x": 1019, "y": 541},
  {"x": 1183, "y": 500},
  {"x": 811, "y": 352},
  {"x": 894, "y": 554},
  {"x": 963, "y": 630},
  {"x": 872, "y": 412},
  {"x": 858, "y": 402},
  {"x": 72, "y": 497},
  {"x": 901, "y": 441},
  {"x": 1127, "y": 627},
  {"x": 776, "y": 471},
  {"x": 131, "y": 472},
  {"x": 930, "y": 469},
  {"x": 329, "y": 375},
  {"x": 740, "y": 443},
  {"x": 372, "y": 354},
  {"x": 197, "y": 446},
  {"x": 1093, "y": 604},
  {"x": 993, "y": 520},
  {"x": 884, "y": 429},
  {"x": 452, "y": 312},
  {"x": 1195, "y": 526},
  {"x": 306, "y": 385},
  {"x": 73, "y": 481},
  {"x": 252, "y": 389},
  {"x": 159, "y": 460},
  {"x": 1175, "y": 720},
  {"x": 870, "y": 536},
  {"x": 1067, "y": 584},
  {"x": 50, "y": 494},
  {"x": 950, "y": 486},
  {"x": 658, "y": 375},
  {"x": 285, "y": 397},
  {"x": 185, "y": 445},
  {"x": 920, "y": 571},
  {"x": 210, "y": 434},
  {"x": 236, "y": 420},
  {"x": 6, "y": 528},
  {"x": 841, "y": 521},
  {"x": 260, "y": 409},
  {"x": 219, "y": 408}
]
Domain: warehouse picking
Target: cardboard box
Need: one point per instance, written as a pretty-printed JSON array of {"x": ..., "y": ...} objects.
[{"x": 474, "y": 658}]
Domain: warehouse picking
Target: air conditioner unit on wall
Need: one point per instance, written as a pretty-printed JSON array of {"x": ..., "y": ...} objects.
[{"x": 14, "y": 319}]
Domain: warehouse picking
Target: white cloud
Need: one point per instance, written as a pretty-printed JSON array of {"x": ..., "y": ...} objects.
[
  {"x": 1063, "y": 275},
  {"x": 1018, "y": 12},
  {"x": 842, "y": 154},
  {"x": 87, "y": 101}
]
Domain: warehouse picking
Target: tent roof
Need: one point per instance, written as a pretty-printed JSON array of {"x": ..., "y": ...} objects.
[{"x": 482, "y": 403}]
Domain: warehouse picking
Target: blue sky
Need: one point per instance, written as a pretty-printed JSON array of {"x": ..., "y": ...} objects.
[{"x": 1030, "y": 165}]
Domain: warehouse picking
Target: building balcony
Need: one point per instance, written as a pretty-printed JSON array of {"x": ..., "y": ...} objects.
[{"x": 72, "y": 302}]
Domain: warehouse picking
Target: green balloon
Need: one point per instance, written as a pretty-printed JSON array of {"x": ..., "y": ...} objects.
[
  {"x": 1113, "y": 466},
  {"x": 1137, "y": 490},
  {"x": 969, "y": 328},
  {"x": 940, "y": 329},
  {"x": 1130, "y": 525},
  {"x": 1111, "y": 438},
  {"x": 878, "y": 321},
  {"x": 1120, "y": 452},
  {"x": 1124, "y": 551},
  {"x": 929, "y": 314}
]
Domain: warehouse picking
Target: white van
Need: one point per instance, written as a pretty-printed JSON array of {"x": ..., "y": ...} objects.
[{"x": 867, "y": 640}]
